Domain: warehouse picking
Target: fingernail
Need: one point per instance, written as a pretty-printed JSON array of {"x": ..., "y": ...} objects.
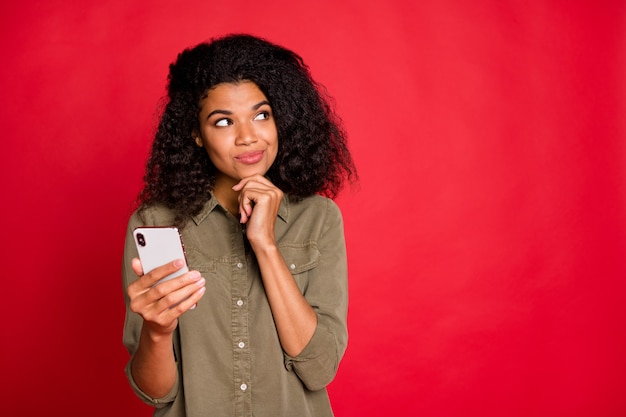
[{"x": 178, "y": 263}]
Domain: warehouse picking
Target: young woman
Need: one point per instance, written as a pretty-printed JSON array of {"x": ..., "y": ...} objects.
[{"x": 245, "y": 161}]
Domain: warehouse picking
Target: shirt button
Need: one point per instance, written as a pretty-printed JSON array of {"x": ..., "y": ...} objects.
[
  {"x": 241, "y": 345},
  {"x": 239, "y": 265},
  {"x": 239, "y": 303},
  {"x": 243, "y": 387},
  {"x": 292, "y": 266}
]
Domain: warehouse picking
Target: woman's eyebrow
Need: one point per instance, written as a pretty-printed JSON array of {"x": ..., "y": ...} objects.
[
  {"x": 256, "y": 106},
  {"x": 218, "y": 111},
  {"x": 228, "y": 112}
]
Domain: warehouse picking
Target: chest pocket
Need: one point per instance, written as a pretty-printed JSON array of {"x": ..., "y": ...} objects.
[
  {"x": 301, "y": 258},
  {"x": 197, "y": 260}
]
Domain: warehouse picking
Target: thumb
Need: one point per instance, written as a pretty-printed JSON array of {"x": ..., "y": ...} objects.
[{"x": 135, "y": 263}]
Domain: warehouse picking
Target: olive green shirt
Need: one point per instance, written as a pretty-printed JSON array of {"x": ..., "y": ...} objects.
[{"x": 229, "y": 358}]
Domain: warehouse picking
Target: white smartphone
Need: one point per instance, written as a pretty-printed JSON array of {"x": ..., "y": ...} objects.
[{"x": 159, "y": 245}]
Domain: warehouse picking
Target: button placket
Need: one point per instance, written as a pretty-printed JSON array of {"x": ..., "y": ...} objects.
[{"x": 240, "y": 331}]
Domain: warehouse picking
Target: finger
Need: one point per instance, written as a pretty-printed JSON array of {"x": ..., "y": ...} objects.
[
  {"x": 239, "y": 186},
  {"x": 248, "y": 198},
  {"x": 167, "y": 298},
  {"x": 163, "y": 271},
  {"x": 245, "y": 207},
  {"x": 154, "y": 302},
  {"x": 259, "y": 179},
  {"x": 188, "y": 303},
  {"x": 135, "y": 263},
  {"x": 165, "y": 288}
]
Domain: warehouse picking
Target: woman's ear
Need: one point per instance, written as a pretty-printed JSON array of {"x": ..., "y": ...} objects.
[{"x": 196, "y": 137}]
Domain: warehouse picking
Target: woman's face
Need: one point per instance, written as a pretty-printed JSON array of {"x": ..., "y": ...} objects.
[{"x": 237, "y": 130}]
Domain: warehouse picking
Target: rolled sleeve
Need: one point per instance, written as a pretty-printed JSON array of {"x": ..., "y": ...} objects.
[
  {"x": 133, "y": 322},
  {"x": 155, "y": 402},
  {"x": 316, "y": 365},
  {"x": 327, "y": 293}
]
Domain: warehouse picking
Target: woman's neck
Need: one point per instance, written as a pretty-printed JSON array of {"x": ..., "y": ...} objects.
[{"x": 226, "y": 196}]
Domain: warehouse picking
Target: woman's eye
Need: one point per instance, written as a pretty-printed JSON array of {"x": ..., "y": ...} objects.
[
  {"x": 223, "y": 122},
  {"x": 264, "y": 115}
]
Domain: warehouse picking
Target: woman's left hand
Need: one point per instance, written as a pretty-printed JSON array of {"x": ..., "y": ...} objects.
[{"x": 259, "y": 201}]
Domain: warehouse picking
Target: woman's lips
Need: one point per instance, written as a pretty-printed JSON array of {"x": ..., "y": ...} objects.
[{"x": 250, "y": 157}]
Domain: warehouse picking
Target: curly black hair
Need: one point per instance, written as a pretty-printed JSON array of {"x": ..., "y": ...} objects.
[{"x": 313, "y": 157}]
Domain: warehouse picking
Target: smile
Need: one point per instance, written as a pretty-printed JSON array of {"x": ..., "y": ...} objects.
[{"x": 250, "y": 158}]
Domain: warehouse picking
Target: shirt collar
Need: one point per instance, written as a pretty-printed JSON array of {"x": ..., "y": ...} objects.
[{"x": 212, "y": 204}]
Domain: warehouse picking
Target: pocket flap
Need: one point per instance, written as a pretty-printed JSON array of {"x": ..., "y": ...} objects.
[{"x": 300, "y": 257}]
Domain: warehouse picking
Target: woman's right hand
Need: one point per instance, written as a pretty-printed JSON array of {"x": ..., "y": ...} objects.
[{"x": 161, "y": 305}]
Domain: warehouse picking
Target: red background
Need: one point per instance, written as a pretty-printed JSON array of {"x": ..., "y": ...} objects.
[{"x": 486, "y": 241}]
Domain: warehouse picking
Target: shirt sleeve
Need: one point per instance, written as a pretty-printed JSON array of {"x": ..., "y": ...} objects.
[
  {"x": 133, "y": 322},
  {"x": 327, "y": 293}
]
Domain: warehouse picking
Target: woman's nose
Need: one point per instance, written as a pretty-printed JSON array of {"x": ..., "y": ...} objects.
[{"x": 246, "y": 134}]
